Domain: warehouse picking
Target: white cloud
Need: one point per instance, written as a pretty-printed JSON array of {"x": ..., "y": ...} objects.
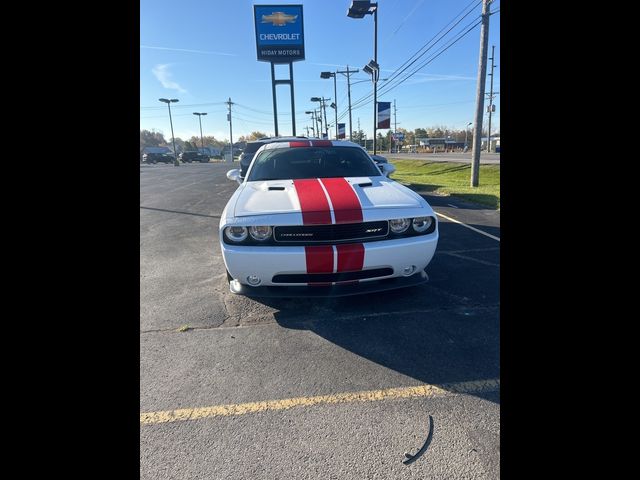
[
  {"x": 162, "y": 73},
  {"x": 188, "y": 50}
]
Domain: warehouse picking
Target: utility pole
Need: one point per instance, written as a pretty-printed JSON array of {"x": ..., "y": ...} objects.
[
  {"x": 482, "y": 73},
  {"x": 395, "y": 125},
  {"x": 490, "y": 99},
  {"x": 229, "y": 103},
  {"x": 348, "y": 73},
  {"x": 375, "y": 76},
  {"x": 324, "y": 110},
  {"x": 319, "y": 122}
]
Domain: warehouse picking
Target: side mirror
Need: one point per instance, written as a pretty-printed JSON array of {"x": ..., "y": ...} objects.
[
  {"x": 387, "y": 169},
  {"x": 234, "y": 175}
]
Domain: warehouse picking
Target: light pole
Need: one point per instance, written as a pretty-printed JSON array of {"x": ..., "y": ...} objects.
[
  {"x": 334, "y": 105},
  {"x": 314, "y": 122},
  {"x": 200, "y": 118},
  {"x": 466, "y": 131},
  {"x": 358, "y": 9},
  {"x": 323, "y": 109},
  {"x": 173, "y": 139}
]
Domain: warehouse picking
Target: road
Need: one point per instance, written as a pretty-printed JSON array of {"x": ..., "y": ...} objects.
[
  {"x": 233, "y": 388},
  {"x": 485, "y": 158}
]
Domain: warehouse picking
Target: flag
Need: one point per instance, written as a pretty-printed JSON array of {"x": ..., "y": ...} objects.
[
  {"x": 384, "y": 115},
  {"x": 341, "y": 130}
]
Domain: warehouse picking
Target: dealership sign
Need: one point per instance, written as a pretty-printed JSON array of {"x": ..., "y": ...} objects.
[{"x": 279, "y": 33}]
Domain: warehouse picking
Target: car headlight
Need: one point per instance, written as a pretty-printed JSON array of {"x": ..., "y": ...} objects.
[
  {"x": 236, "y": 234},
  {"x": 261, "y": 233},
  {"x": 399, "y": 225},
  {"x": 422, "y": 224}
]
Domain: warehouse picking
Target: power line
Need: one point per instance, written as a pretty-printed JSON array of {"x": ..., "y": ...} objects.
[
  {"x": 363, "y": 101},
  {"x": 431, "y": 59},
  {"x": 185, "y": 105},
  {"x": 410, "y": 62},
  {"x": 438, "y": 104}
]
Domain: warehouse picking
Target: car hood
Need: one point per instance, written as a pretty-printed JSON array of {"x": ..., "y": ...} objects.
[{"x": 282, "y": 196}]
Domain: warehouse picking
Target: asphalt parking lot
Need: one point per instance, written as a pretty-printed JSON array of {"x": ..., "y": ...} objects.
[{"x": 341, "y": 388}]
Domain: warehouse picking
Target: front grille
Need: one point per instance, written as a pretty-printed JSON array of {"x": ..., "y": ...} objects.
[
  {"x": 332, "y": 277},
  {"x": 347, "y": 232}
]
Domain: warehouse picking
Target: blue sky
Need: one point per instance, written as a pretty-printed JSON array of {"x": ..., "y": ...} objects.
[{"x": 203, "y": 51}]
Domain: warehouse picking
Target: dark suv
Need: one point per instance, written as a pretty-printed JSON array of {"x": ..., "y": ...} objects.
[
  {"x": 193, "y": 157},
  {"x": 157, "y": 157},
  {"x": 252, "y": 147}
]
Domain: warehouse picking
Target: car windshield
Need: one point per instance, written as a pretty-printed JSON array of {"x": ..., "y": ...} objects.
[{"x": 312, "y": 162}]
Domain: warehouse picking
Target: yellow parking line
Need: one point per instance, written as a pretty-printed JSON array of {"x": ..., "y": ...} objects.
[{"x": 150, "y": 418}]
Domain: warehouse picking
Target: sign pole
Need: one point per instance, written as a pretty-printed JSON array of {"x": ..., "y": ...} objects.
[
  {"x": 293, "y": 107},
  {"x": 275, "y": 103},
  {"x": 280, "y": 40}
]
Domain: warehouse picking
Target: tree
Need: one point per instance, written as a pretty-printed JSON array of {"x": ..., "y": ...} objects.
[
  {"x": 409, "y": 137},
  {"x": 435, "y": 132},
  {"x": 255, "y": 136},
  {"x": 381, "y": 142},
  {"x": 151, "y": 139},
  {"x": 358, "y": 136}
]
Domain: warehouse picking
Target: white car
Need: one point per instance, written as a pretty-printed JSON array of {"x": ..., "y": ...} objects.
[{"x": 318, "y": 218}]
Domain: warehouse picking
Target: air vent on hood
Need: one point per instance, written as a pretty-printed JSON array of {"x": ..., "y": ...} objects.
[
  {"x": 368, "y": 184},
  {"x": 276, "y": 188}
]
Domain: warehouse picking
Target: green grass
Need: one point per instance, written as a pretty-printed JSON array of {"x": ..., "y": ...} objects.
[{"x": 448, "y": 178}]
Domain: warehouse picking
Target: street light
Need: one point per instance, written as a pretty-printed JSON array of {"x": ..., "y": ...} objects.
[
  {"x": 322, "y": 101},
  {"x": 466, "y": 130},
  {"x": 358, "y": 9},
  {"x": 314, "y": 120},
  {"x": 173, "y": 139},
  {"x": 200, "y": 118},
  {"x": 334, "y": 105}
]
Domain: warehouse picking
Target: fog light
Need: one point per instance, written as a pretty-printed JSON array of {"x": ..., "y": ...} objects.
[
  {"x": 406, "y": 271},
  {"x": 253, "y": 280}
]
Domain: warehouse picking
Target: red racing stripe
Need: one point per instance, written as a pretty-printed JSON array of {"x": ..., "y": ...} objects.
[
  {"x": 346, "y": 205},
  {"x": 313, "y": 202},
  {"x": 350, "y": 257},
  {"x": 319, "y": 259}
]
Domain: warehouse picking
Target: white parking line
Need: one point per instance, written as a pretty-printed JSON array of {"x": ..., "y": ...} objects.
[
  {"x": 469, "y": 226},
  {"x": 452, "y": 205}
]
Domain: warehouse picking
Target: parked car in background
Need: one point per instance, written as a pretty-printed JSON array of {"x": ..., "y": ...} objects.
[
  {"x": 320, "y": 218},
  {"x": 157, "y": 157},
  {"x": 193, "y": 157},
  {"x": 252, "y": 147}
]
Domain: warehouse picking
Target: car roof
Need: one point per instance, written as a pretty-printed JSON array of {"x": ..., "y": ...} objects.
[
  {"x": 264, "y": 140},
  {"x": 311, "y": 142}
]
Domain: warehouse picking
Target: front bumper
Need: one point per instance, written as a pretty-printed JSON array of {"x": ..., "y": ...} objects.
[
  {"x": 270, "y": 261},
  {"x": 336, "y": 290}
]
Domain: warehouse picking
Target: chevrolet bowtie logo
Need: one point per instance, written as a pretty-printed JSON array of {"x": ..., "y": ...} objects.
[{"x": 279, "y": 19}]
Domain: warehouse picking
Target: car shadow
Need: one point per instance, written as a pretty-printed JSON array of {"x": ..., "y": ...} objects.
[{"x": 443, "y": 332}]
